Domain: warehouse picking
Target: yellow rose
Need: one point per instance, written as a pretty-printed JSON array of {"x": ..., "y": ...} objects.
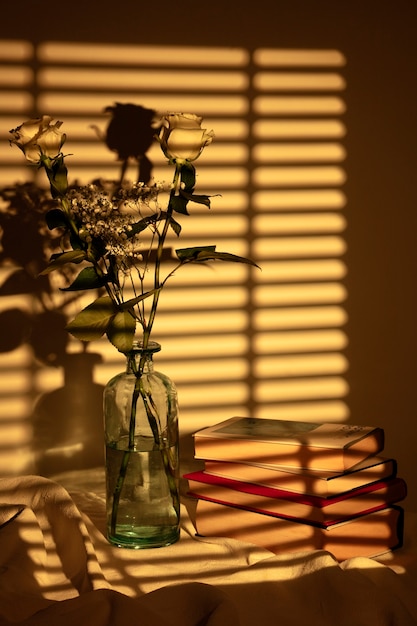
[
  {"x": 38, "y": 137},
  {"x": 181, "y": 136}
]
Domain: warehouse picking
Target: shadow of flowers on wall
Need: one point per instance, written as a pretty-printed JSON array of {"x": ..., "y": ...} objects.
[
  {"x": 26, "y": 245},
  {"x": 66, "y": 422}
]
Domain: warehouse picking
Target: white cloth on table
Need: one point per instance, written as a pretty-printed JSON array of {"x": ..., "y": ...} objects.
[{"x": 56, "y": 567}]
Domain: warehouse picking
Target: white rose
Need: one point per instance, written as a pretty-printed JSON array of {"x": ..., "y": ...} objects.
[
  {"x": 181, "y": 136},
  {"x": 38, "y": 137}
]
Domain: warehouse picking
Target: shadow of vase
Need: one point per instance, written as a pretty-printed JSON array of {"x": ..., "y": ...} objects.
[{"x": 68, "y": 422}]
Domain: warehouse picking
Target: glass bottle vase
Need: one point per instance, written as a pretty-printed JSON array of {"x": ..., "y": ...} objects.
[{"x": 141, "y": 439}]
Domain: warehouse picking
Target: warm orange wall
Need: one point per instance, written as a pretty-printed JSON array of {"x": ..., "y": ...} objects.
[{"x": 379, "y": 41}]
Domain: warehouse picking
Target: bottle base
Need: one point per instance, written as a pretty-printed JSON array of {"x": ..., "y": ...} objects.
[{"x": 143, "y": 538}]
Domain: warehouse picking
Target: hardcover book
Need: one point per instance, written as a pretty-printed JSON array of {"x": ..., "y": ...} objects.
[
  {"x": 368, "y": 535},
  {"x": 313, "y": 482},
  {"x": 334, "y": 447},
  {"x": 291, "y": 505}
]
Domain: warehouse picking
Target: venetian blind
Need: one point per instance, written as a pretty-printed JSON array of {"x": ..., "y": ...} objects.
[{"x": 236, "y": 340}]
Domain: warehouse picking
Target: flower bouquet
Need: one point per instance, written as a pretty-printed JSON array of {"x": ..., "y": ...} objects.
[{"x": 116, "y": 234}]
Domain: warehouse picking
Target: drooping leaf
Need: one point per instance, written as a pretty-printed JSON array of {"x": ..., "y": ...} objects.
[
  {"x": 199, "y": 199},
  {"x": 121, "y": 330},
  {"x": 224, "y": 256},
  {"x": 176, "y": 227},
  {"x": 209, "y": 253},
  {"x": 58, "y": 260},
  {"x": 185, "y": 254},
  {"x": 86, "y": 279},
  {"x": 92, "y": 322}
]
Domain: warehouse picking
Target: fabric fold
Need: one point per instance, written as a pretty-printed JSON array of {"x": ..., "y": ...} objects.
[
  {"x": 49, "y": 572},
  {"x": 56, "y": 567}
]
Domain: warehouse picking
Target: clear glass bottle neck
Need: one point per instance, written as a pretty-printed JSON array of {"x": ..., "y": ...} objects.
[
  {"x": 134, "y": 362},
  {"x": 141, "y": 358}
]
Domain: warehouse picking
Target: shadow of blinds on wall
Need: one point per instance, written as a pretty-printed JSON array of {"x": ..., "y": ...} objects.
[{"x": 235, "y": 339}]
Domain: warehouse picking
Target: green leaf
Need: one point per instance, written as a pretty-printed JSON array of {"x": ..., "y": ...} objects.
[
  {"x": 187, "y": 254},
  {"x": 93, "y": 321},
  {"x": 188, "y": 176},
  {"x": 153, "y": 219},
  {"x": 208, "y": 253},
  {"x": 121, "y": 330},
  {"x": 55, "y": 218},
  {"x": 86, "y": 279},
  {"x": 76, "y": 241},
  {"x": 179, "y": 204},
  {"x": 129, "y": 304},
  {"x": 225, "y": 256},
  {"x": 176, "y": 227},
  {"x": 58, "y": 260},
  {"x": 199, "y": 199},
  {"x": 140, "y": 226}
]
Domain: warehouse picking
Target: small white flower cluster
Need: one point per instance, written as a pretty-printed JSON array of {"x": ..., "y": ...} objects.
[{"x": 102, "y": 217}]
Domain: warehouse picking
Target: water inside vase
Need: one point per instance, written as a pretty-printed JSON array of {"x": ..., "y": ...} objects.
[{"x": 147, "y": 512}]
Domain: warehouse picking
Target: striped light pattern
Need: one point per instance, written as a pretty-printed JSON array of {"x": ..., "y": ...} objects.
[{"x": 236, "y": 340}]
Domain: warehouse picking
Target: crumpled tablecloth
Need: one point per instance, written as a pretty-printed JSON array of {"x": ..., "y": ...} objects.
[{"x": 57, "y": 568}]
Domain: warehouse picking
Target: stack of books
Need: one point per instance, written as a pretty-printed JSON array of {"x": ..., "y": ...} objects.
[{"x": 291, "y": 486}]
